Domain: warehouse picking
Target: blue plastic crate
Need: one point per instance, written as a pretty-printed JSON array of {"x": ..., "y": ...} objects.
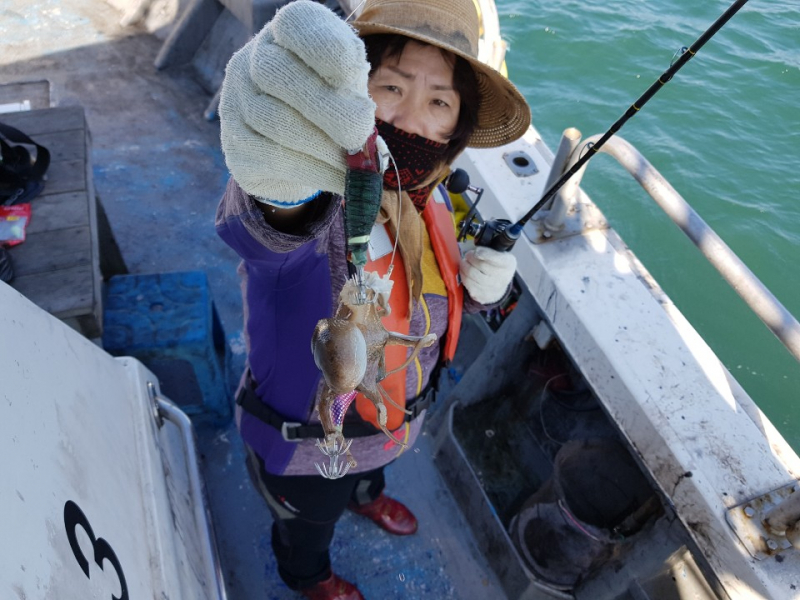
[{"x": 169, "y": 322}]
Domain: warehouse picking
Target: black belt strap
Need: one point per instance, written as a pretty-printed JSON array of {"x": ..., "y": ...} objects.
[{"x": 296, "y": 432}]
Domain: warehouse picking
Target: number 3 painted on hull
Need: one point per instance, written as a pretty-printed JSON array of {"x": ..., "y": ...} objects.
[{"x": 73, "y": 516}]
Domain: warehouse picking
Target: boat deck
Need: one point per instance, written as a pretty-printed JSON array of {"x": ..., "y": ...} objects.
[{"x": 159, "y": 173}]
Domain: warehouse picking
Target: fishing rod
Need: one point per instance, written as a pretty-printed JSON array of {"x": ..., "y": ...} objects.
[{"x": 501, "y": 234}]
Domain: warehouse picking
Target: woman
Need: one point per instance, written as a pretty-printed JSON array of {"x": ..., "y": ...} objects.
[{"x": 295, "y": 99}]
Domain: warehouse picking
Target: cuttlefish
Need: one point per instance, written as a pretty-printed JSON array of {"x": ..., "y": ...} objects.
[{"x": 349, "y": 349}]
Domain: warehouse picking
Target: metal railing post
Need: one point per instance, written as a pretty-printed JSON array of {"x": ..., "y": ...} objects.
[{"x": 566, "y": 156}]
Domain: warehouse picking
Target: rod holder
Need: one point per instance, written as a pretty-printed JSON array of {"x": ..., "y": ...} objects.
[
  {"x": 564, "y": 200},
  {"x": 569, "y": 141}
]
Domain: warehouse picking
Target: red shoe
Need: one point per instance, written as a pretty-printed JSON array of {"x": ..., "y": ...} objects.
[
  {"x": 389, "y": 514},
  {"x": 333, "y": 588}
]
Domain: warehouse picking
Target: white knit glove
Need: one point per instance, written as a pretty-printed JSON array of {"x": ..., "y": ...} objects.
[
  {"x": 293, "y": 100},
  {"x": 487, "y": 273}
]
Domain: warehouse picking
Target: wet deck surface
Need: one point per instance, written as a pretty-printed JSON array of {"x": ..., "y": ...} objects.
[{"x": 159, "y": 173}]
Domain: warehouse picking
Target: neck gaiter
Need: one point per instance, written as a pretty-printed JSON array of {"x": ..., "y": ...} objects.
[{"x": 417, "y": 159}]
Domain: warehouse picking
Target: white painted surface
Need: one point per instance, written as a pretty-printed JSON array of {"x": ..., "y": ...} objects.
[
  {"x": 76, "y": 426},
  {"x": 680, "y": 409},
  {"x": 15, "y": 106}
]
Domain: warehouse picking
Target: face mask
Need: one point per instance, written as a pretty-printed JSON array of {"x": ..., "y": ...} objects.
[{"x": 416, "y": 157}]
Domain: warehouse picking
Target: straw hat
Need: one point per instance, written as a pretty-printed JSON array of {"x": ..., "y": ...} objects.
[{"x": 503, "y": 114}]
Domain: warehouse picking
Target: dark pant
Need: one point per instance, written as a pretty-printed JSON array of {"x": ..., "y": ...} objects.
[{"x": 305, "y": 509}]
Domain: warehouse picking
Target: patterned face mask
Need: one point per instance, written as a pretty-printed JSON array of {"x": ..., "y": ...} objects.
[{"x": 417, "y": 159}]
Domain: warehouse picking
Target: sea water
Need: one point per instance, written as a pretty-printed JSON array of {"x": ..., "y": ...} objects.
[{"x": 725, "y": 132}]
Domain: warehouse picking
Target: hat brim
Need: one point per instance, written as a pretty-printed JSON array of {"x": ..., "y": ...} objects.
[{"x": 503, "y": 113}]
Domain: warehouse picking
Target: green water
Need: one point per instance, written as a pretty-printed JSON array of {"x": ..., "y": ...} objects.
[{"x": 725, "y": 132}]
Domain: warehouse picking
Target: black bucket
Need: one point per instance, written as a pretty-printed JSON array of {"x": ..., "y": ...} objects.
[{"x": 575, "y": 522}]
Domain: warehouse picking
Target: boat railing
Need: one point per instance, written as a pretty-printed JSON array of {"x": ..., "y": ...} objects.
[
  {"x": 765, "y": 305},
  {"x": 164, "y": 410}
]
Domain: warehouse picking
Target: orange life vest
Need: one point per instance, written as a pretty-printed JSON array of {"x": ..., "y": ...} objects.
[{"x": 439, "y": 222}]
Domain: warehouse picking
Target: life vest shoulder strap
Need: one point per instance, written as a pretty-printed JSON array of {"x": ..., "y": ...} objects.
[{"x": 438, "y": 217}]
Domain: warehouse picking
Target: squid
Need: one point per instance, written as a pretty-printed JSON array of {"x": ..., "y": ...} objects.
[{"x": 349, "y": 349}]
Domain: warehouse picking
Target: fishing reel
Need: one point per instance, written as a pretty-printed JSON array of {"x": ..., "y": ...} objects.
[{"x": 498, "y": 234}]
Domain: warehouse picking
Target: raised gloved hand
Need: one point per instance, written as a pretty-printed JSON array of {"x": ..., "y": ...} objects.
[
  {"x": 293, "y": 100},
  {"x": 487, "y": 273}
]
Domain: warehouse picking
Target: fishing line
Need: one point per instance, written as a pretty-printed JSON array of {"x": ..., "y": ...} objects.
[
  {"x": 680, "y": 58},
  {"x": 399, "y": 211},
  {"x": 355, "y": 10}
]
